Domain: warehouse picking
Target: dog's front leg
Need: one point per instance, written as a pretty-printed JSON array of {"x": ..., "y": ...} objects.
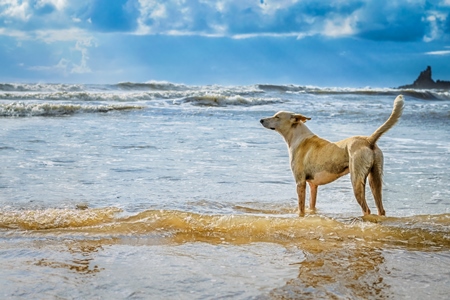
[{"x": 301, "y": 194}]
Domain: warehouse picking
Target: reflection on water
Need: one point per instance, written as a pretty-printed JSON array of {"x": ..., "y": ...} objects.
[
  {"x": 82, "y": 256},
  {"x": 351, "y": 271}
]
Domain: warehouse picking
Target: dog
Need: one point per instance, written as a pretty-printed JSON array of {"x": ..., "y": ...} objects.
[{"x": 317, "y": 161}]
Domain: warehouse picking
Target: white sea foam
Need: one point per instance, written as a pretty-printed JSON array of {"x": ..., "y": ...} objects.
[
  {"x": 22, "y": 109},
  {"x": 82, "y": 96},
  {"x": 36, "y": 87}
]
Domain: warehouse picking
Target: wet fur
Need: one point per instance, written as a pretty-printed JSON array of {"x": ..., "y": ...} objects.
[{"x": 317, "y": 161}]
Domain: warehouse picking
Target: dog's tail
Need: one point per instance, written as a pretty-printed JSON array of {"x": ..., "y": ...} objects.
[{"x": 393, "y": 118}]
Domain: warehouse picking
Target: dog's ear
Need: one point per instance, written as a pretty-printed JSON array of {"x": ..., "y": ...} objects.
[{"x": 297, "y": 118}]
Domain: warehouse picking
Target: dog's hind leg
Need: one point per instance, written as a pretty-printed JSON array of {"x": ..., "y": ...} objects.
[
  {"x": 376, "y": 181},
  {"x": 360, "y": 165},
  {"x": 359, "y": 189},
  {"x": 313, "y": 196}
]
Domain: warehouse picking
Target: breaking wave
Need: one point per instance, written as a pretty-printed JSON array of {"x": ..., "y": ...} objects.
[
  {"x": 430, "y": 231},
  {"x": 21, "y": 109},
  {"x": 418, "y": 94},
  {"x": 224, "y": 100},
  {"x": 39, "y": 87},
  {"x": 152, "y": 85},
  {"x": 85, "y": 96}
]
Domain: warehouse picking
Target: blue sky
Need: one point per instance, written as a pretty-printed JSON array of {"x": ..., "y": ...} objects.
[{"x": 351, "y": 43}]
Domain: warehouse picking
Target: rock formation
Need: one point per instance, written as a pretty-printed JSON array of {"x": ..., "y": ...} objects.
[{"x": 425, "y": 81}]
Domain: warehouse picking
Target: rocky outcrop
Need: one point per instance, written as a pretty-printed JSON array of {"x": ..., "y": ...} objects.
[{"x": 425, "y": 81}]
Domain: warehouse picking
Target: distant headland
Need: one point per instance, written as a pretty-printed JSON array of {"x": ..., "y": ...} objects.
[{"x": 425, "y": 81}]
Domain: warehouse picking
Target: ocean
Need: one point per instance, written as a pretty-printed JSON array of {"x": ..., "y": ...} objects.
[{"x": 166, "y": 191}]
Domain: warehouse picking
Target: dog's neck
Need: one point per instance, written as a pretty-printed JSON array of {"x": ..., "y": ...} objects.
[{"x": 295, "y": 136}]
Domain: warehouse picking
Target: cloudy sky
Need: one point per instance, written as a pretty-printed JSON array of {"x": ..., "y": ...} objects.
[{"x": 307, "y": 42}]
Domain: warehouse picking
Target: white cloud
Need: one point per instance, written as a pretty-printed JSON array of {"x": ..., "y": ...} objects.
[
  {"x": 65, "y": 66},
  {"x": 60, "y": 67},
  {"x": 13, "y": 33},
  {"x": 271, "y": 7},
  {"x": 242, "y": 19},
  {"x": 339, "y": 27},
  {"x": 142, "y": 28},
  {"x": 224, "y": 18},
  {"x": 434, "y": 19},
  {"x": 150, "y": 10},
  {"x": 373, "y": 19},
  {"x": 246, "y": 19},
  {"x": 82, "y": 46},
  {"x": 298, "y": 35},
  {"x": 58, "y": 4},
  {"x": 56, "y": 32},
  {"x": 59, "y": 35},
  {"x": 438, "y": 53},
  {"x": 159, "y": 11},
  {"x": 15, "y": 9},
  {"x": 23, "y": 9},
  {"x": 51, "y": 36}
]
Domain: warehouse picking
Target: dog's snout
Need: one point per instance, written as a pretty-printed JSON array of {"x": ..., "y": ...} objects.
[{"x": 261, "y": 121}]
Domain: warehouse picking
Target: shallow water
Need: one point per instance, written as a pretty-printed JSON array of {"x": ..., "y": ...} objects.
[{"x": 167, "y": 191}]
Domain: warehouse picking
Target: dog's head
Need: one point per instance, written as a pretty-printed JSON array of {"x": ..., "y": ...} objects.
[{"x": 283, "y": 121}]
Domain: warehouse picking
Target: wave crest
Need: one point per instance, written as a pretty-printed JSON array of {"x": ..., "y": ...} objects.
[
  {"x": 422, "y": 94},
  {"x": 55, "y": 218},
  {"x": 152, "y": 85},
  {"x": 427, "y": 231}
]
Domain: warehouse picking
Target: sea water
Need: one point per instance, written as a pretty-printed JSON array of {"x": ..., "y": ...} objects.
[{"x": 165, "y": 191}]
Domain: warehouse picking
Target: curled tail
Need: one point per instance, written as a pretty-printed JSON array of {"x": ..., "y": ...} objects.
[{"x": 393, "y": 118}]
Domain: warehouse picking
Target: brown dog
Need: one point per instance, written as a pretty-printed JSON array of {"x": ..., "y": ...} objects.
[{"x": 318, "y": 161}]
